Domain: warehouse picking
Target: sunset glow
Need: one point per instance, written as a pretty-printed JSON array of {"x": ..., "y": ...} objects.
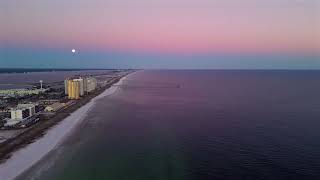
[{"x": 164, "y": 26}]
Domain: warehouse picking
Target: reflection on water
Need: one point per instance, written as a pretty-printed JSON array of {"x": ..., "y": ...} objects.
[{"x": 213, "y": 125}]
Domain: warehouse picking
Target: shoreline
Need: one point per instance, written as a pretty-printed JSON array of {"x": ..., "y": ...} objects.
[{"x": 22, "y": 152}]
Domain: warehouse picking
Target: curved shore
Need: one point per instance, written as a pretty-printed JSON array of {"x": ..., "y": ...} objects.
[{"x": 23, "y": 158}]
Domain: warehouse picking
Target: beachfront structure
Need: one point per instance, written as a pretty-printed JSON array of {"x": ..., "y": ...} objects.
[
  {"x": 91, "y": 84},
  {"x": 23, "y": 111},
  {"x": 81, "y": 84},
  {"x": 55, "y": 107},
  {"x": 66, "y": 81},
  {"x": 75, "y": 88},
  {"x": 19, "y": 114},
  {"x": 30, "y": 107}
]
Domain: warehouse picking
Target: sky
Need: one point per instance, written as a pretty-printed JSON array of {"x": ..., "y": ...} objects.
[{"x": 199, "y": 34}]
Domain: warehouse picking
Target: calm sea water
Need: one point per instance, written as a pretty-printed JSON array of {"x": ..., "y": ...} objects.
[{"x": 184, "y": 125}]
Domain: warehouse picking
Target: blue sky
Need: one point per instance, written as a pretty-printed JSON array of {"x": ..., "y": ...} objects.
[
  {"x": 192, "y": 34},
  {"x": 55, "y": 58}
]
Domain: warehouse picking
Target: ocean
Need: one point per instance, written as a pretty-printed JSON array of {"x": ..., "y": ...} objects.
[{"x": 189, "y": 124}]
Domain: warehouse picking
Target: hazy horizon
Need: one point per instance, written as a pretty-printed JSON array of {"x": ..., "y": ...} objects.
[{"x": 161, "y": 34}]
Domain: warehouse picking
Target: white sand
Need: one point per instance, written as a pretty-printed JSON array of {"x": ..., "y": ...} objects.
[{"x": 26, "y": 157}]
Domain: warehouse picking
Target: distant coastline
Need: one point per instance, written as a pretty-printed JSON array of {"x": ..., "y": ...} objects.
[
  {"x": 37, "y": 130},
  {"x": 28, "y": 70},
  {"x": 32, "y": 70},
  {"x": 47, "y": 130}
]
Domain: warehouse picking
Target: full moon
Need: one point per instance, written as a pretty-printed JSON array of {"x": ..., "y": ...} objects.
[{"x": 73, "y": 51}]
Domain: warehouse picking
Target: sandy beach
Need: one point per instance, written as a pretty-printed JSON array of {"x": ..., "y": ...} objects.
[{"x": 26, "y": 157}]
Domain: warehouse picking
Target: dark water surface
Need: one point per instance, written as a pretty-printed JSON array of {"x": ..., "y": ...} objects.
[{"x": 172, "y": 125}]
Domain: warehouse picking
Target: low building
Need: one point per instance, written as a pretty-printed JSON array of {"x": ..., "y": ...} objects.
[
  {"x": 55, "y": 107},
  {"x": 23, "y": 111},
  {"x": 19, "y": 114},
  {"x": 30, "y": 107},
  {"x": 22, "y": 114},
  {"x": 20, "y": 92},
  {"x": 47, "y": 101}
]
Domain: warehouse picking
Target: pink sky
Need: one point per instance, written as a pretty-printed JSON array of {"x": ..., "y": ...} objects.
[{"x": 187, "y": 26}]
